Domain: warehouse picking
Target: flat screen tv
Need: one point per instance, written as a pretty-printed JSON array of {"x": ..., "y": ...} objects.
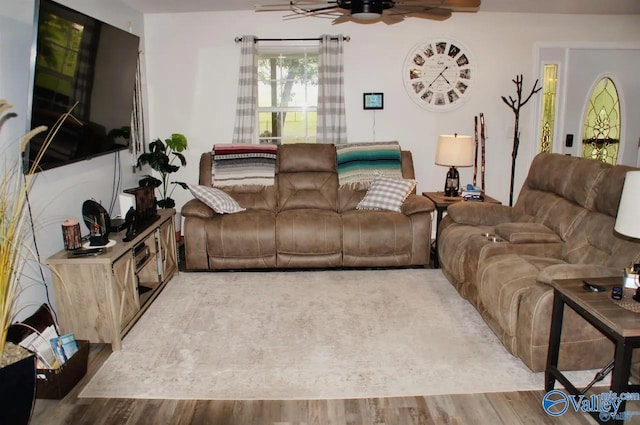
[{"x": 80, "y": 59}]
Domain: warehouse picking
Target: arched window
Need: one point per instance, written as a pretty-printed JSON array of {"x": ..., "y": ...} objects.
[{"x": 601, "y": 135}]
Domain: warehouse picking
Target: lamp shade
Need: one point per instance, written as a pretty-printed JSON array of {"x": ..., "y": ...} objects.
[
  {"x": 627, "y": 222},
  {"x": 455, "y": 150}
]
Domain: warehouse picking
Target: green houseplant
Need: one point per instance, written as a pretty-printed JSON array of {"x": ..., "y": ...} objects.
[
  {"x": 17, "y": 366},
  {"x": 162, "y": 157}
]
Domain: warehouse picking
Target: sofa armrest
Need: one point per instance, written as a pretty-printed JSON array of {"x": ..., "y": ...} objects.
[
  {"x": 196, "y": 208},
  {"x": 576, "y": 271},
  {"x": 417, "y": 204},
  {"x": 480, "y": 213}
]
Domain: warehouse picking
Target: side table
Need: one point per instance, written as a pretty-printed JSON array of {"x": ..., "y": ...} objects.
[
  {"x": 621, "y": 326},
  {"x": 442, "y": 202}
]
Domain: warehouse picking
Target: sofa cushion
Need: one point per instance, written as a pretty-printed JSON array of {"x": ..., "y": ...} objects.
[
  {"x": 371, "y": 235},
  {"x": 309, "y": 237},
  {"x": 307, "y": 177},
  {"x": 480, "y": 213},
  {"x": 216, "y": 199},
  {"x": 569, "y": 177},
  {"x": 246, "y": 235},
  {"x": 526, "y": 233},
  {"x": 315, "y": 190},
  {"x": 386, "y": 194}
]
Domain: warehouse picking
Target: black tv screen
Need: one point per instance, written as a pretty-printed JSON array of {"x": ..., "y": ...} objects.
[{"x": 81, "y": 59}]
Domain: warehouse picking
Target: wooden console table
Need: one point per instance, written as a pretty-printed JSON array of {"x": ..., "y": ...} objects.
[
  {"x": 99, "y": 298},
  {"x": 442, "y": 202}
]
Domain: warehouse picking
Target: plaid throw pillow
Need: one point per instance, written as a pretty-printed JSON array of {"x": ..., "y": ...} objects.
[
  {"x": 386, "y": 194},
  {"x": 216, "y": 199}
]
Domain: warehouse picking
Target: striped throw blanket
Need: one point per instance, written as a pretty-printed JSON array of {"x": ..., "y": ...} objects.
[
  {"x": 244, "y": 164},
  {"x": 359, "y": 163}
]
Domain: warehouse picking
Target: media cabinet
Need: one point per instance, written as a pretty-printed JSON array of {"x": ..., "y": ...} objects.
[{"x": 99, "y": 298}]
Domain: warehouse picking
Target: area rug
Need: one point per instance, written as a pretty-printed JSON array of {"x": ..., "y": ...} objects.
[{"x": 310, "y": 335}]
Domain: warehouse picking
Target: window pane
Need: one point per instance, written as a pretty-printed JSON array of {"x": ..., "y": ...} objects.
[
  {"x": 287, "y": 96},
  {"x": 601, "y": 135},
  {"x": 548, "y": 107}
]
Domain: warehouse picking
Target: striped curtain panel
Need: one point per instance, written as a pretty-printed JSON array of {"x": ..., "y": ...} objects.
[
  {"x": 246, "y": 128},
  {"x": 332, "y": 121}
]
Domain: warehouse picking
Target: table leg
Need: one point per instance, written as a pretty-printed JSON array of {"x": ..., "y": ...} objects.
[
  {"x": 436, "y": 261},
  {"x": 621, "y": 370},
  {"x": 554, "y": 341}
]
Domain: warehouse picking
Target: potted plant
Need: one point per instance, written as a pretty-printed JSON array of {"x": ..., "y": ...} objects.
[
  {"x": 161, "y": 158},
  {"x": 17, "y": 366}
]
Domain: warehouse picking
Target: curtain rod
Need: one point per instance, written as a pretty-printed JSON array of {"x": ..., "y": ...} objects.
[{"x": 344, "y": 37}]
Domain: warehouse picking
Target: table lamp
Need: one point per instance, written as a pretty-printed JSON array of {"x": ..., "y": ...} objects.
[
  {"x": 454, "y": 151},
  {"x": 627, "y": 218}
]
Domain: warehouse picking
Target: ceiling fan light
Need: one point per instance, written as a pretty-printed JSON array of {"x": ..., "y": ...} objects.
[
  {"x": 365, "y": 16},
  {"x": 366, "y": 10}
]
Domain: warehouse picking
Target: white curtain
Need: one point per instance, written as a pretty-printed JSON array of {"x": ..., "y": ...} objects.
[
  {"x": 332, "y": 121},
  {"x": 246, "y": 128}
]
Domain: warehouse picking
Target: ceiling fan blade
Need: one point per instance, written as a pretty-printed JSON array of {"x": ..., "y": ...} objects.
[
  {"x": 392, "y": 18},
  {"x": 342, "y": 19},
  {"x": 435, "y": 14},
  {"x": 454, "y": 5},
  {"x": 271, "y": 7}
]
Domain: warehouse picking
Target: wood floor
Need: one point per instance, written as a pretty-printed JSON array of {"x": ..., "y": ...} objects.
[{"x": 513, "y": 408}]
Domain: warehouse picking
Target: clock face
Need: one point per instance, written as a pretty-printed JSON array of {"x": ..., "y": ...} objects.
[{"x": 438, "y": 74}]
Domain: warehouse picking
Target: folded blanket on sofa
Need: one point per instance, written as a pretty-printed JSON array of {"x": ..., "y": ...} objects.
[
  {"x": 359, "y": 163},
  {"x": 243, "y": 164}
]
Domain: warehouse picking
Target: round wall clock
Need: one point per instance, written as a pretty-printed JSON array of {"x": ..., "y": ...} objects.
[{"x": 438, "y": 74}]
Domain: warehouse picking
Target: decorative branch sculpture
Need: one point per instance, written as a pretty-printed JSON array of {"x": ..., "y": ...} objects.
[{"x": 515, "y": 105}]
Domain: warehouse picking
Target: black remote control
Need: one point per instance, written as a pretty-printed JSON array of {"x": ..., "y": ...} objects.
[{"x": 593, "y": 287}]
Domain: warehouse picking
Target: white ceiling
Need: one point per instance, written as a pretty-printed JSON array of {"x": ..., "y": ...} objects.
[{"x": 592, "y": 7}]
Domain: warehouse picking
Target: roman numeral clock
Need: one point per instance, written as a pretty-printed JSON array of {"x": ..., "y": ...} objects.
[{"x": 438, "y": 74}]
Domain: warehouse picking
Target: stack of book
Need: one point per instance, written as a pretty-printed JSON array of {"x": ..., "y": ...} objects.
[
  {"x": 472, "y": 193},
  {"x": 51, "y": 349}
]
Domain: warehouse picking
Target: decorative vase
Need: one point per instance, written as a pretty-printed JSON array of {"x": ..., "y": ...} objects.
[{"x": 17, "y": 386}]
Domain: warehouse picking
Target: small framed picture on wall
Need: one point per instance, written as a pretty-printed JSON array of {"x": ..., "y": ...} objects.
[{"x": 373, "y": 101}]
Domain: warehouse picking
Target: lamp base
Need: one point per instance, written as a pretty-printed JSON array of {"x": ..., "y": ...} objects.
[{"x": 452, "y": 183}]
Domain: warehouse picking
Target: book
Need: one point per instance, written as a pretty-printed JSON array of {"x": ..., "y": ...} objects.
[
  {"x": 69, "y": 344},
  {"x": 64, "y": 346},
  {"x": 39, "y": 343}
]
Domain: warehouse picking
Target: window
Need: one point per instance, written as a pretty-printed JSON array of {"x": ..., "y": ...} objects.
[
  {"x": 549, "y": 90},
  {"x": 287, "y": 93},
  {"x": 601, "y": 134}
]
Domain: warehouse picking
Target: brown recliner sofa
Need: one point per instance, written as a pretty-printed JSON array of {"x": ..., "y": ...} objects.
[
  {"x": 305, "y": 221},
  {"x": 504, "y": 259}
]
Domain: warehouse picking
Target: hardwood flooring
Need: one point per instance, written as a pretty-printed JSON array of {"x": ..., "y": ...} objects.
[{"x": 513, "y": 408}]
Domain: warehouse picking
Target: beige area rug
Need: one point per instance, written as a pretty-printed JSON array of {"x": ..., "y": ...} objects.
[{"x": 310, "y": 335}]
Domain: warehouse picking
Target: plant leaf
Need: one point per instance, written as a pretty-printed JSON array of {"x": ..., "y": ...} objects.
[{"x": 177, "y": 142}]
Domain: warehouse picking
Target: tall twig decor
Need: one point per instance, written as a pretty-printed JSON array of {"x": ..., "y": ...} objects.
[{"x": 515, "y": 105}]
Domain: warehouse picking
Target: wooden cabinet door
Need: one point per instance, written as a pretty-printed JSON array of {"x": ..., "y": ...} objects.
[
  {"x": 167, "y": 249},
  {"x": 126, "y": 302}
]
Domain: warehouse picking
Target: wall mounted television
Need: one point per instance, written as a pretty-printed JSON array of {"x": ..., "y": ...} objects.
[{"x": 77, "y": 58}]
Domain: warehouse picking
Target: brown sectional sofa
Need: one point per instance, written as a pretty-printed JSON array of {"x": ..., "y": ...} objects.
[
  {"x": 560, "y": 227},
  {"x": 305, "y": 221}
]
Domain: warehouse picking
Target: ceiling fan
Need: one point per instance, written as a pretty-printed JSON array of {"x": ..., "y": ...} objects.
[{"x": 387, "y": 11}]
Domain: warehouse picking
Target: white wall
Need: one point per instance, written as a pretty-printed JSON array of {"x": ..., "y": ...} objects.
[
  {"x": 192, "y": 63},
  {"x": 58, "y": 193}
]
